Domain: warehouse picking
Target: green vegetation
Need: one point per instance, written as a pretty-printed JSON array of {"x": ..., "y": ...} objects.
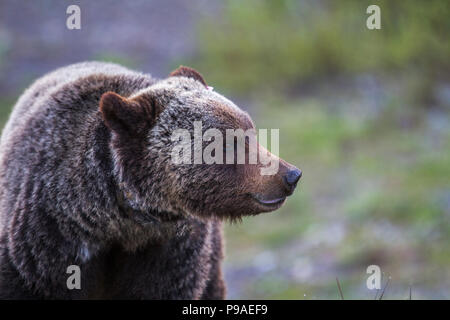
[
  {"x": 5, "y": 109},
  {"x": 384, "y": 191},
  {"x": 358, "y": 113},
  {"x": 275, "y": 44}
]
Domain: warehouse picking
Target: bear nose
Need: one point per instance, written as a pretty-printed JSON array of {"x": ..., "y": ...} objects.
[{"x": 291, "y": 178}]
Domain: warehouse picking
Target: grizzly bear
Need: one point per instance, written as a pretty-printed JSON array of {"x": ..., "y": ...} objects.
[{"x": 86, "y": 179}]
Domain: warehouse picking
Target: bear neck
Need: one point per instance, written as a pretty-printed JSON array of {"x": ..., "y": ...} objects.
[{"x": 119, "y": 221}]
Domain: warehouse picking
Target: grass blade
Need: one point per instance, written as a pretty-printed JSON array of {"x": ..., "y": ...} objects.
[{"x": 340, "y": 290}]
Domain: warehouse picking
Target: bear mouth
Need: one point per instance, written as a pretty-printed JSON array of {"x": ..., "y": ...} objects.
[{"x": 269, "y": 204}]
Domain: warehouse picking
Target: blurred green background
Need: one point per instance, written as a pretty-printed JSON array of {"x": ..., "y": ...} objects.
[{"x": 364, "y": 113}]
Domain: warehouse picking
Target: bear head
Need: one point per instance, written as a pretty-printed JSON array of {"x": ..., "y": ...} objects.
[{"x": 149, "y": 130}]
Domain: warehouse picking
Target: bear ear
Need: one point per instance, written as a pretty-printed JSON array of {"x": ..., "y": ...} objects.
[
  {"x": 129, "y": 116},
  {"x": 187, "y": 72}
]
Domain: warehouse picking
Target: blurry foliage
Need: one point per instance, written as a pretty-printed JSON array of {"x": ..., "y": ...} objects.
[
  {"x": 116, "y": 58},
  {"x": 265, "y": 44},
  {"x": 5, "y": 109},
  {"x": 3, "y": 47},
  {"x": 384, "y": 185},
  {"x": 375, "y": 156}
]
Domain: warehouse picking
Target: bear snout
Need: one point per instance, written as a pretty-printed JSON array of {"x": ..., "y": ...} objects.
[
  {"x": 291, "y": 178},
  {"x": 275, "y": 189}
]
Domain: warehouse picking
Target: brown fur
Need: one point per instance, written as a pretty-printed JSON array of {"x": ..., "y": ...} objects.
[
  {"x": 187, "y": 72},
  {"x": 86, "y": 179}
]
